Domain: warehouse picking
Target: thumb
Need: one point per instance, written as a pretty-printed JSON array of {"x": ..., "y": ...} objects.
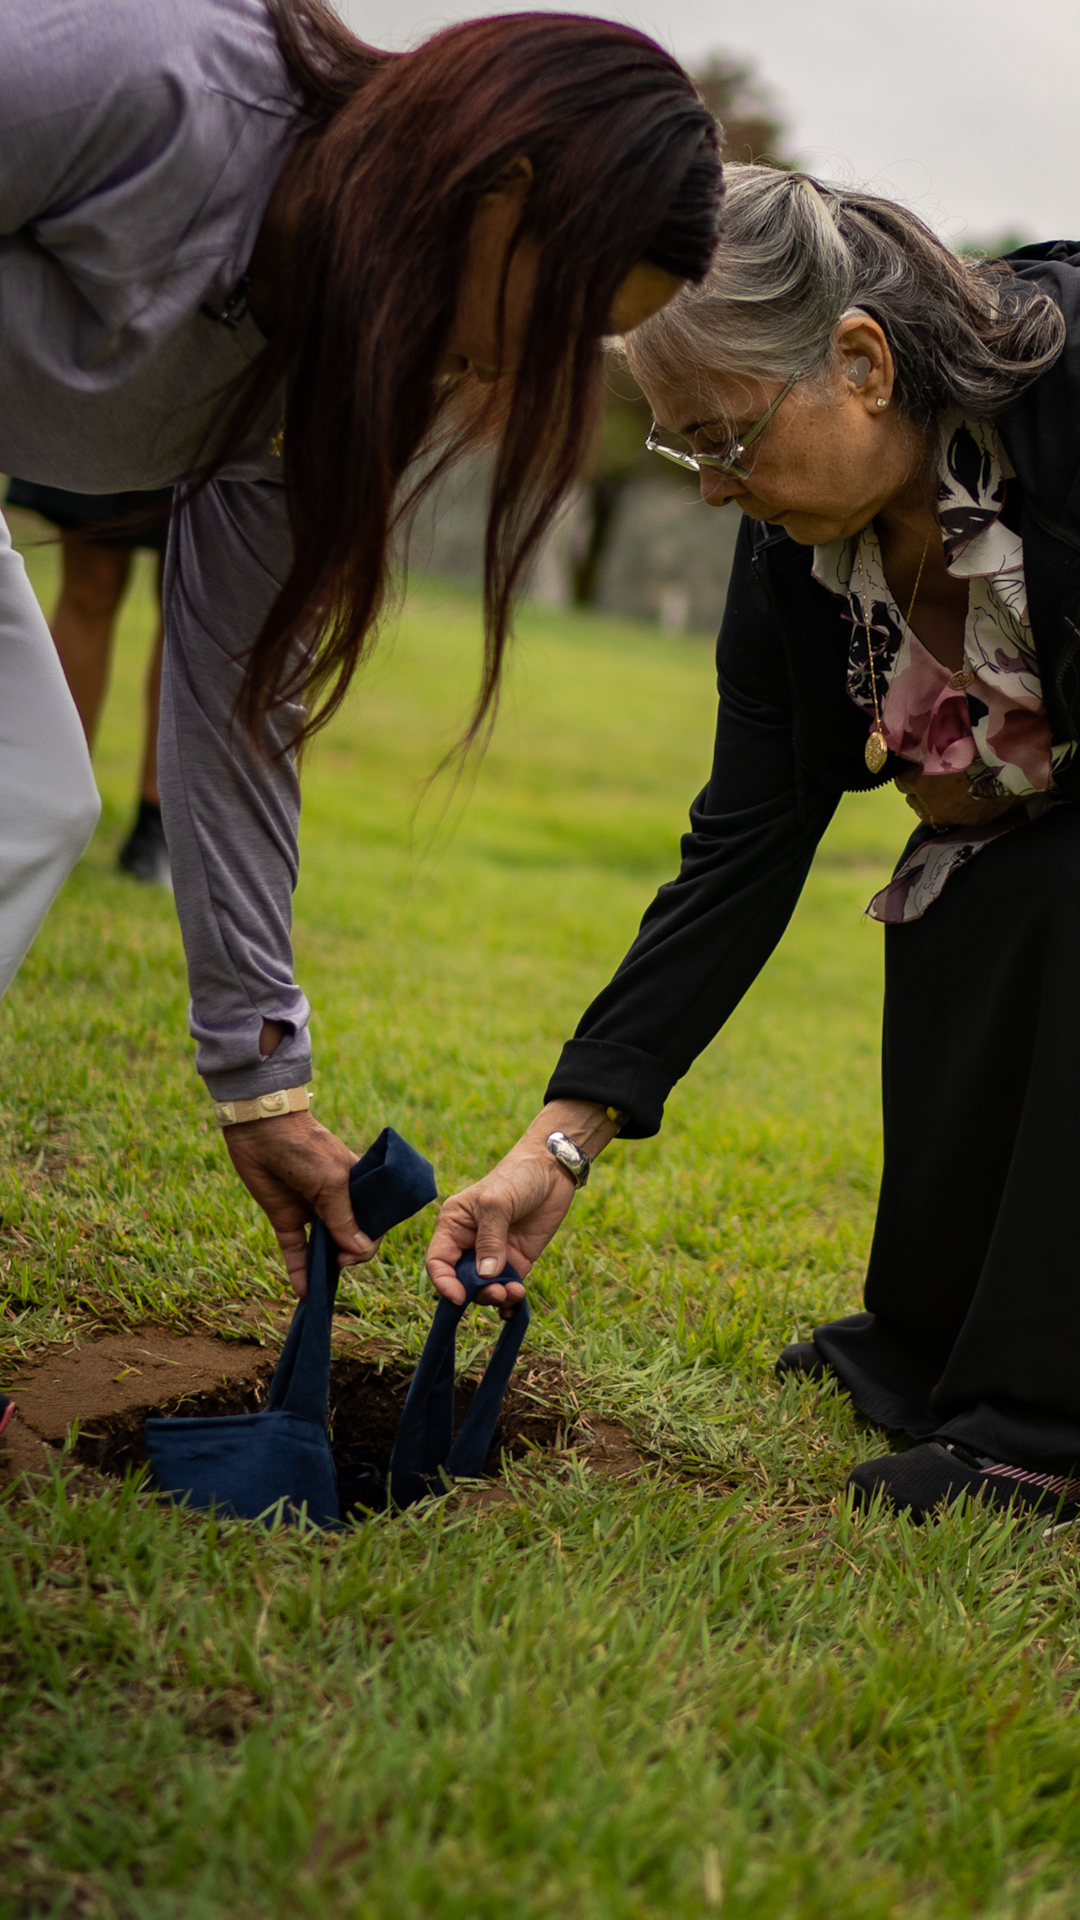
[{"x": 491, "y": 1242}]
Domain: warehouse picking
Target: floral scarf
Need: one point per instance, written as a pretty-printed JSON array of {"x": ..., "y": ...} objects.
[{"x": 988, "y": 719}]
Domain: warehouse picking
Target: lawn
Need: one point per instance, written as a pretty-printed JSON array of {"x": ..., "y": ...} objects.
[{"x": 703, "y": 1690}]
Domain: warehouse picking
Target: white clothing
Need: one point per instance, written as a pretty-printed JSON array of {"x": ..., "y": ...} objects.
[{"x": 49, "y": 804}]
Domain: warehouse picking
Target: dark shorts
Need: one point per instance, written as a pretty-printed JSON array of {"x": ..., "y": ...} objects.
[{"x": 112, "y": 512}]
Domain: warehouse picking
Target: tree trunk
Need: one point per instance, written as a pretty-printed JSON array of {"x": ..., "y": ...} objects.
[{"x": 604, "y": 495}]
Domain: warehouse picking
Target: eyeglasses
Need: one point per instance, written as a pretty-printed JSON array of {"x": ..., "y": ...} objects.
[{"x": 730, "y": 460}]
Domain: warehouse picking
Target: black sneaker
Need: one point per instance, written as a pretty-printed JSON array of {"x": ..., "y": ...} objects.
[
  {"x": 804, "y": 1361},
  {"x": 939, "y": 1472},
  {"x": 145, "y": 852},
  {"x": 7, "y": 1408}
]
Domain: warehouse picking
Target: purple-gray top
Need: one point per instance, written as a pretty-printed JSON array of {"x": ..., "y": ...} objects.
[{"x": 139, "y": 144}]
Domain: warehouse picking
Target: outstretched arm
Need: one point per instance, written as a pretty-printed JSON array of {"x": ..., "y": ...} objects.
[
  {"x": 704, "y": 939},
  {"x": 231, "y": 816}
]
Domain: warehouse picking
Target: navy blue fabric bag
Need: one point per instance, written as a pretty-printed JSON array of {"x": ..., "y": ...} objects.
[
  {"x": 426, "y": 1453},
  {"x": 426, "y": 1456},
  {"x": 245, "y": 1464}
]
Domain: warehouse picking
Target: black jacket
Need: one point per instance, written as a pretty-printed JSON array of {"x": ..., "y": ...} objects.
[{"x": 789, "y": 742}]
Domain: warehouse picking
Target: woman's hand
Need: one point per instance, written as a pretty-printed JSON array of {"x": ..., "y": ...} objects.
[
  {"x": 295, "y": 1169},
  {"x": 513, "y": 1212}
]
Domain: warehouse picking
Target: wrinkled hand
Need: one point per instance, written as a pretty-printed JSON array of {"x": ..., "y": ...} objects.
[
  {"x": 514, "y": 1211},
  {"x": 296, "y": 1169}
]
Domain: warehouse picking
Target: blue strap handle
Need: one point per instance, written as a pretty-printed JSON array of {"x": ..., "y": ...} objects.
[
  {"x": 425, "y": 1441},
  {"x": 301, "y": 1382},
  {"x": 387, "y": 1186}
]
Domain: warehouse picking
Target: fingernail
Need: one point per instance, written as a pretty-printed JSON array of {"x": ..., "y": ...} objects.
[{"x": 488, "y": 1266}]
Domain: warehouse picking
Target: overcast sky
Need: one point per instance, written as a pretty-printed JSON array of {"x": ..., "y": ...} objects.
[{"x": 966, "y": 109}]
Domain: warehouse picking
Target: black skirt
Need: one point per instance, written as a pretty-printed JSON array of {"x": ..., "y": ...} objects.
[
  {"x": 972, "y": 1322},
  {"x": 107, "y": 519}
]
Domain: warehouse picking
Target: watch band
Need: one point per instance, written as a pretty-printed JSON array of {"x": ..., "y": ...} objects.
[
  {"x": 572, "y": 1158},
  {"x": 232, "y": 1113}
]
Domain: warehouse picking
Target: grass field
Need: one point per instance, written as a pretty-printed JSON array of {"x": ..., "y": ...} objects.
[{"x": 706, "y": 1691}]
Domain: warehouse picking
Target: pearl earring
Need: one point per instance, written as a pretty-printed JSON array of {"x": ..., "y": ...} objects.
[{"x": 881, "y": 402}]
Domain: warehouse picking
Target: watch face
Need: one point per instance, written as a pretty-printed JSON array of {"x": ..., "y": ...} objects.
[{"x": 570, "y": 1156}]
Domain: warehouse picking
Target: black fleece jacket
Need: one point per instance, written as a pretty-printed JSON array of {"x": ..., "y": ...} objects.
[{"x": 789, "y": 742}]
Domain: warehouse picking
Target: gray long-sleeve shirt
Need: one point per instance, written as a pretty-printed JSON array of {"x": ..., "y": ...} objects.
[{"x": 139, "y": 143}]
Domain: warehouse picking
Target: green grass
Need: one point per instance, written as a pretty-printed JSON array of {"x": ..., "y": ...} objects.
[{"x": 710, "y": 1691}]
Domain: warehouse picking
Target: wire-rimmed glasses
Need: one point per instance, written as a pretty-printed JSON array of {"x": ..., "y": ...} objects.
[{"x": 730, "y": 458}]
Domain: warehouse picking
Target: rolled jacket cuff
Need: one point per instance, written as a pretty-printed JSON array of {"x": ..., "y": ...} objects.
[
  {"x": 614, "y": 1076},
  {"x": 246, "y": 1083}
]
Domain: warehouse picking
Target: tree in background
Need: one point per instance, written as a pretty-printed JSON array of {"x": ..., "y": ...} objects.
[
  {"x": 616, "y": 460},
  {"x": 740, "y": 102},
  {"x": 751, "y": 129}
]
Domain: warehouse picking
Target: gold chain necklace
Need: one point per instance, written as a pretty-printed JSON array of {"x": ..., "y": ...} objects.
[{"x": 876, "y": 752}]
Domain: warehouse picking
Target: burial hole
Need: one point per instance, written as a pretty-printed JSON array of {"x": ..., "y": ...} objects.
[
  {"x": 366, "y": 1401},
  {"x": 98, "y": 1396}
]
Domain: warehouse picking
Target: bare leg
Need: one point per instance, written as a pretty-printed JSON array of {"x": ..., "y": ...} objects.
[
  {"x": 94, "y": 578},
  {"x": 145, "y": 853},
  {"x": 149, "y": 788}
]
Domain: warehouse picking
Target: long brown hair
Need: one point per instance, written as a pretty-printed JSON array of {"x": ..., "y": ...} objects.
[{"x": 403, "y": 146}]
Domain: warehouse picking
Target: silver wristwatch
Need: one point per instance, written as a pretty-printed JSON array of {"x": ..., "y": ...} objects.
[{"x": 570, "y": 1156}]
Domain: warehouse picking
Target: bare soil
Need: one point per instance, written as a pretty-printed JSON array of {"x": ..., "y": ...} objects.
[{"x": 109, "y": 1387}]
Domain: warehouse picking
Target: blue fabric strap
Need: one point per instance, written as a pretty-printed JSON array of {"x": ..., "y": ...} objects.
[
  {"x": 425, "y": 1438},
  {"x": 390, "y": 1184},
  {"x": 301, "y": 1382}
]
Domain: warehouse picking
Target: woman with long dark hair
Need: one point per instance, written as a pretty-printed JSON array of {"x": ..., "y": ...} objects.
[
  {"x": 247, "y": 255},
  {"x": 901, "y": 430}
]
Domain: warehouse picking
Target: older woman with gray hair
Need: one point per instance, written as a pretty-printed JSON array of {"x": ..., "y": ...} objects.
[{"x": 901, "y": 431}]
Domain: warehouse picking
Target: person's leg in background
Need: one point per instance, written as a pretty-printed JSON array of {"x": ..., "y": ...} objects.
[
  {"x": 93, "y": 582},
  {"x": 145, "y": 852},
  {"x": 148, "y": 788}
]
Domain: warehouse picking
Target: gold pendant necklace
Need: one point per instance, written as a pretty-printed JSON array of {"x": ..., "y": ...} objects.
[{"x": 876, "y": 750}]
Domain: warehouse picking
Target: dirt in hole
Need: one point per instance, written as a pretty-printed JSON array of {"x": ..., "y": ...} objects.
[{"x": 110, "y": 1386}]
